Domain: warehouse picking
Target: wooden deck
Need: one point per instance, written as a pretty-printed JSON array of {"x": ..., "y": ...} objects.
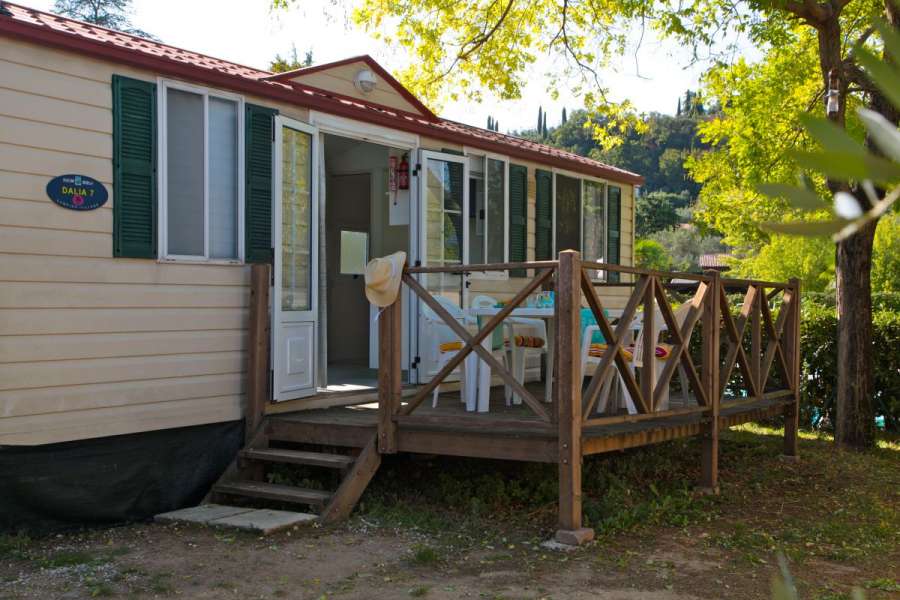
[
  {"x": 506, "y": 432},
  {"x": 745, "y": 366}
]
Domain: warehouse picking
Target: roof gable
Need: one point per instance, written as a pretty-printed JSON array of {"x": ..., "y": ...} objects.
[{"x": 338, "y": 78}]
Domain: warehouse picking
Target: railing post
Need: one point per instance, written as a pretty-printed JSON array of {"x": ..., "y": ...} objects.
[
  {"x": 756, "y": 338},
  {"x": 258, "y": 393},
  {"x": 709, "y": 471},
  {"x": 648, "y": 352},
  {"x": 389, "y": 374},
  {"x": 792, "y": 350},
  {"x": 568, "y": 398}
]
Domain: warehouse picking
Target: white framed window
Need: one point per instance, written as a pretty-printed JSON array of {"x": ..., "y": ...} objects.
[
  {"x": 488, "y": 223},
  {"x": 579, "y": 210},
  {"x": 201, "y": 174}
]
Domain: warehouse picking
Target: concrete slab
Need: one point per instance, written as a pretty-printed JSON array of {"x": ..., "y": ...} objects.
[
  {"x": 202, "y": 514},
  {"x": 264, "y": 521}
]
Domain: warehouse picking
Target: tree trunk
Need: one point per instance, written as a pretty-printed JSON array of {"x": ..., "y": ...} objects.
[{"x": 855, "y": 411}]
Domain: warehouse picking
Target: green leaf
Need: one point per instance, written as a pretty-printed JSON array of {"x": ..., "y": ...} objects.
[
  {"x": 845, "y": 167},
  {"x": 806, "y": 228},
  {"x": 886, "y": 77},
  {"x": 882, "y": 131},
  {"x": 891, "y": 39},
  {"x": 799, "y": 198},
  {"x": 832, "y": 137},
  {"x": 832, "y": 164}
]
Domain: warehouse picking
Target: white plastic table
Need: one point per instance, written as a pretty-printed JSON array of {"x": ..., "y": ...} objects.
[{"x": 484, "y": 370}]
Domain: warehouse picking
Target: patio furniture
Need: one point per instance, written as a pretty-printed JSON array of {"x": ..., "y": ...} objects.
[
  {"x": 484, "y": 371},
  {"x": 523, "y": 336},
  {"x": 592, "y": 354},
  {"x": 446, "y": 344}
]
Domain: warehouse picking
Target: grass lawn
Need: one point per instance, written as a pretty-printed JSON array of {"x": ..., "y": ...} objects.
[{"x": 454, "y": 528}]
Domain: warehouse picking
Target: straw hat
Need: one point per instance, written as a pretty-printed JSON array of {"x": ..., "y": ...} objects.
[{"x": 383, "y": 278}]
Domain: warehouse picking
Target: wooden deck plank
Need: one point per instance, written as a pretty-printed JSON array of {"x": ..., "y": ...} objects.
[{"x": 506, "y": 432}]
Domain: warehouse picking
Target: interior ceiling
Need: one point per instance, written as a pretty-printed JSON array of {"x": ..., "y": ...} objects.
[{"x": 336, "y": 146}]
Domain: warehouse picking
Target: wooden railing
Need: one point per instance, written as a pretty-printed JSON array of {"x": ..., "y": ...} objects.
[{"x": 722, "y": 370}]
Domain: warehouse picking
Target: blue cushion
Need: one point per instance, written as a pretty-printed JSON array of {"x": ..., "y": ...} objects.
[{"x": 587, "y": 319}]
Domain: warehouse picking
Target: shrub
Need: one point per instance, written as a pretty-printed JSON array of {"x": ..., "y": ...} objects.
[{"x": 818, "y": 342}]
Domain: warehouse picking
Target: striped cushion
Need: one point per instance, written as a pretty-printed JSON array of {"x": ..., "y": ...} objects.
[
  {"x": 663, "y": 351},
  {"x": 527, "y": 341}
]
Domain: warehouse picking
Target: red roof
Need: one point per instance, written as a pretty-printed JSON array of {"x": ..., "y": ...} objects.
[
  {"x": 714, "y": 261},
  {"x": 62, "y": 32}
]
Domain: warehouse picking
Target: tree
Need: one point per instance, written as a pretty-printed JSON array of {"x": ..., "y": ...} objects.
[
  {"x": 650, "y": 254},
  {"x": 811, "y": 260},
  {"x": 540, "y": 123},
  {"x": 655, "y": 211},
  {"x": 282, "y": 65},
  {"x": 563, "y": 121},
  {"x": 886, "y": 255},
  {"x": 686, "y": 244},
  {"x": 112, "y": 14},
  {"x": 490, "y": 44}
]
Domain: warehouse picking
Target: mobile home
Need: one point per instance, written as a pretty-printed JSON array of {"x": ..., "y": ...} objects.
[{"x": 140, "y": 181}]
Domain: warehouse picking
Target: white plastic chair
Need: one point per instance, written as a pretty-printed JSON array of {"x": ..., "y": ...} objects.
[
  {"x": 516, "y": 356},
  {"x": 440, "y": 334},
  {"x": 637, "y": 360}
]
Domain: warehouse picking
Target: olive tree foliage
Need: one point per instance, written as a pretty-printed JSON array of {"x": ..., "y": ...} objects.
[{"x": 112, "y": 14}]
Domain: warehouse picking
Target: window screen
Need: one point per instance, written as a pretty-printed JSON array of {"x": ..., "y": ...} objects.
[
  {"x": 496, "y": 210},
  {"x": 223, "y": 178},
  {"x": 185, "y": 173},
  {"x": 593, "y": 221}
]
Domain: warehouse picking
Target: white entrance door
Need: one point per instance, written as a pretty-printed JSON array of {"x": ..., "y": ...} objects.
[
  {"x": 443, "y": 241},
  {"x": 295, "y": 293}
]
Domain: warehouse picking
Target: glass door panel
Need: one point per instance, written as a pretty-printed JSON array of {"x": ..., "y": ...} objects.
[
  {"x": 295, "y": 320},
  {"x": 296, "y": 210}
]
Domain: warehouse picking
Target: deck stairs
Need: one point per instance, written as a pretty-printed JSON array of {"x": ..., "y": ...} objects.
[{"x": 247, "y": 477}]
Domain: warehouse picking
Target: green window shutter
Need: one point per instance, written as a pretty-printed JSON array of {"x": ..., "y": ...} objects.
[
  {"x": 134, "y": 168},
  {"x": 543, "y": 216},
  {"x": 259, "y": 136},
  {"x": 614, "y": 230},
  {"x": 518, "y": 217}
]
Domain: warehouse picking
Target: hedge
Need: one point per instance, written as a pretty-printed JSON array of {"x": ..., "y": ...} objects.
[{"x": 818, "y": 341}]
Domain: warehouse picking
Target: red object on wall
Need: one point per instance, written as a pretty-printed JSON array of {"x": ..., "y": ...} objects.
[
  {"x": 403, "y": 174},
  {"x": 392, "y": 173}
]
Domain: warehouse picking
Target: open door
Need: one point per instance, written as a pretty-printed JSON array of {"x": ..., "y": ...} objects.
[
  {"x": 295, "y": 294},
  {"x": 443, "y": 210}
]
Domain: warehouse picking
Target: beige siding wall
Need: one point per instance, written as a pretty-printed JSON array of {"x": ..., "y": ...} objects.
[
  {"x": 340, "y": 80},
  {"x": 90, "y": 345},
  {"x": 94, "y": 346}
]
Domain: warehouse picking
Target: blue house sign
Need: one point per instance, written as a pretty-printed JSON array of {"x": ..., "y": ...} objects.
[{"x": 77, "y": 192}]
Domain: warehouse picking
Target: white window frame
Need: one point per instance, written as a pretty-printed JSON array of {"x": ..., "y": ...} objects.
[
  {"x": 485, "y": 156},
  {"x": 163, "y": 85},
  {"x": 581, "y": 179}
]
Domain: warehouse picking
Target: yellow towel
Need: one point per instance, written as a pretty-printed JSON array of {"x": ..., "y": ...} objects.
[{"x": 451, "y": 346}]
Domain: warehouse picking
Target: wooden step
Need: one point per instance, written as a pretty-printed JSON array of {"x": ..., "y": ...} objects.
[
  {"x": 299, "y": 457},
  {"x": 272, "y": 491}
]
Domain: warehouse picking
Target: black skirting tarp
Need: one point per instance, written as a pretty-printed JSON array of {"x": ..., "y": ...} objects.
[{"x": 112, "y": 479}]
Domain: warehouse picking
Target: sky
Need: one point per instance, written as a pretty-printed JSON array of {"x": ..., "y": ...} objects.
[{"x": 248, "y": 32}]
